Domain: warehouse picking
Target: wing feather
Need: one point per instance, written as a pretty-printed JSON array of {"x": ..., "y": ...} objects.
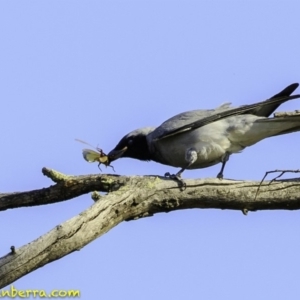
[{"x": 171, "y": 128}]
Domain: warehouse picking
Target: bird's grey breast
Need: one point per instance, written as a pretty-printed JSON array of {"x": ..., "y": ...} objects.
[{"x": 172, "y": 150}]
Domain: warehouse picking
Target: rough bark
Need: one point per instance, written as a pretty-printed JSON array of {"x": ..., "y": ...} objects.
[{"x": 129, "y": 198}]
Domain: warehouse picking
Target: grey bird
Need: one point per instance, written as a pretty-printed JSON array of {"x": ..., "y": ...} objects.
[{"x": 202, "y": 138}]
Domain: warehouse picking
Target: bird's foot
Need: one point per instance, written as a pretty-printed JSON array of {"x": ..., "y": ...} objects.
[
  {"x": 220, "y": 176},
  {"x": 178, "y": 179},
  {"x": 173, "y": 176}
]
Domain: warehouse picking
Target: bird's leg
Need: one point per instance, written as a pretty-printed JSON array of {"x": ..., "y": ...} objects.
[
  {"x": 190, "y": 156},
  {"x": 224, "y": 160}
]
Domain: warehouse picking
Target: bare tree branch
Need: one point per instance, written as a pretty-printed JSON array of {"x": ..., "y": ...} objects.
[
  {"x": 275, "y": 178},
  {"x": 129, "y": 198},
  {"x": 66, "y": 187}
]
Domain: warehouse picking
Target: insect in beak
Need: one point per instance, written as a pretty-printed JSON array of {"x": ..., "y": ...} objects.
[
  {"x": 96, "y": 156},
  {"x": 115, "y": 154}
]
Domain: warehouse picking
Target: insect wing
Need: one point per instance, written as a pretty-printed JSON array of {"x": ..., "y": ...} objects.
[{"x": 91, "y": 155}]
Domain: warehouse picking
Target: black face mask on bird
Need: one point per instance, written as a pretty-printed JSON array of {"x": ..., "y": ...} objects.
[{"x": 133, "y": 145}]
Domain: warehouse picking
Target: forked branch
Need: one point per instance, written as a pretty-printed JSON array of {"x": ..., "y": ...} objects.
[{"x": 128, "y": 198}]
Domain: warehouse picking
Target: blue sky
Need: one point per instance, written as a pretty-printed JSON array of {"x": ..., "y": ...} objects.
[{"x": 96, "y": 70}]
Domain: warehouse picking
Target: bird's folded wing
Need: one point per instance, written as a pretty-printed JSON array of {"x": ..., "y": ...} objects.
[{"x": 245, "y": 109}]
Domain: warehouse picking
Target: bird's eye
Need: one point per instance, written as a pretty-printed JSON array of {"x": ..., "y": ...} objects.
[{"x": 130, "y": 142}]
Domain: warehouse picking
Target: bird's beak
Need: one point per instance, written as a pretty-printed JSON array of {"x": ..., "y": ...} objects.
[{"x": 115, "y": 154}]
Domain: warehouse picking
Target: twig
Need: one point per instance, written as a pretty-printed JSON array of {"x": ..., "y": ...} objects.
[
  {"x": 287, "y": 113},
  {"x": 13, "y": 249},
  {"x": 54, "y": 175},
  {"x": 274, "y": 179}
]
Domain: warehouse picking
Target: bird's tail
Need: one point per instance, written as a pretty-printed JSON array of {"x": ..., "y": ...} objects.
[
  {"x": 282, "y": 123},
  {"x": 263, "y": 128}
]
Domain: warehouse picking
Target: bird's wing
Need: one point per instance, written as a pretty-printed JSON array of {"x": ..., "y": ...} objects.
[
  {"x": 195, "y": 119},
  {"x": 267, "y": 110}
]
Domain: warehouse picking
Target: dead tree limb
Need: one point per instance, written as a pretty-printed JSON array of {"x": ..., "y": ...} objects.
[{"x": 129, "y": 198}]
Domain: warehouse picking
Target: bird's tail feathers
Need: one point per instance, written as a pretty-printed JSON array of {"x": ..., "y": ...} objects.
[{"x": 280, "y": 125}]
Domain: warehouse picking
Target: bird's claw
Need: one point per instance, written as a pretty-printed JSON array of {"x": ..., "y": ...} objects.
[
  {"x": 220, "y": 176},
  {"x": 177, "y": 177},
  {"x": 173, "y": 176}
]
